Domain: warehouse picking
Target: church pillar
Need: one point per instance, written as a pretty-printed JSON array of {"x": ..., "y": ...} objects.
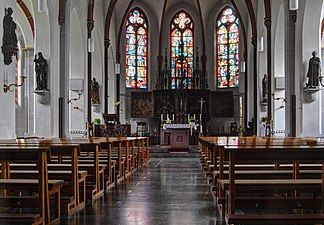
[
  {"x": 118, "y": 86},
  {"x": 64, "y": 22},
  {"x": 246, "y": 91},
  {"x": 267, "y": 23},
  {"x": 290, "y": 54},
  {"x": 106, "y": 91},
  {"x": 90, "y": 26},
  {"x": 255, "y": 85}
]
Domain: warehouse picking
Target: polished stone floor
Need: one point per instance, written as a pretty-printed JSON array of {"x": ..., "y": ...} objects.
[{"x": 166, "y": 191}]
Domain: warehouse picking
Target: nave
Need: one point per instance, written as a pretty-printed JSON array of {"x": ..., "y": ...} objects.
[{"x": 165, "y": 191}]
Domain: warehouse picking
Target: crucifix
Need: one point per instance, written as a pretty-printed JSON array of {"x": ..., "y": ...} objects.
[{"x": 201, "y": 101}]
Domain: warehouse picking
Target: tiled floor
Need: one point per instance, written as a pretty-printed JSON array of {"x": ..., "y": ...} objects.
[{"x": 166, "y": 191}]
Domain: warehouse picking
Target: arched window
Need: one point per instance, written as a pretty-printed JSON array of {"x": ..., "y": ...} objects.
[
  {"x": 227, "y": 48},
  {"x": 182, "y": 39},
  {"x": 136, "y": 50}
]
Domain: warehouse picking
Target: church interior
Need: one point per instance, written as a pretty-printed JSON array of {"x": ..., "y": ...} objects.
[{"x": 162, "y": 112}]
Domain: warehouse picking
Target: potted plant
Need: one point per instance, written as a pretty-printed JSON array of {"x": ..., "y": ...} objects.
[{"x": 97, "y": 121}]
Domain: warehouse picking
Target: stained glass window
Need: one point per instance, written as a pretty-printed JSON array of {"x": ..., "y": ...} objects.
[
  {"x": 136, "y": 50},
  {"x": 227, "y": 49},
  {"x": 182, "y": 39}
]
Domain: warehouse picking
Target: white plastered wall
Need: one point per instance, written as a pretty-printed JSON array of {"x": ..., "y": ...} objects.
[
  {"x": 77, "y": 70},
  {"x": 310, "y": 12},
  {"x": 278, "y": 64},
  {"x": 7, "y": 100}
]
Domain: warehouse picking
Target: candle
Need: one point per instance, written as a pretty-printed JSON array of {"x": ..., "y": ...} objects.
[
  {"x": 172, "y": 117},
  {"x": 194, "y": 116},
  {"x": 241, "y": 106},
  {"x": 167, "y": 116},
  {"x": 148, "y": 128},
  {"x": 200, "y": 128},
  {"x": 188, "y": 117},
  {"x": 161, "y": 117}
]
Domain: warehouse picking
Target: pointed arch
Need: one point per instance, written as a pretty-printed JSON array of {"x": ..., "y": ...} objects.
[
  {"x": 227, "y": 49},
  {"x": 136, "y": 49},
  {"x": 182, "y": 48}
]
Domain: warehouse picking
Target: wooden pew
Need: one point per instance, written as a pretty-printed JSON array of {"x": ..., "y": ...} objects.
[
  {"x": 281, "y": 154},
  {"x": 244, "y": 171},
  {"x": 41, "y": 185},
  {"x": 95, "y": 184},
  {"x": 213, "y": 158},
  {"x": 73, "y": 191}
]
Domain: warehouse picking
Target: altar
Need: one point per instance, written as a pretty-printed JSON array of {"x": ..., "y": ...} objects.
[{"x": 175, "y": 135}]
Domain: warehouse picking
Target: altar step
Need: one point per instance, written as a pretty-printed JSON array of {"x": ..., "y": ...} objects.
[{"x": 168, "y": 152}]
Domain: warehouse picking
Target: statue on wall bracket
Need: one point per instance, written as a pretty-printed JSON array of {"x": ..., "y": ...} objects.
[
  {"x": 264, "y": 101},
  {"x": 314, "y": 71},
  {"x": 314, "y": 78},
  {"x": 41, "y": 70},
  {"x": 95, "y": 92},
  {"x": 9, "y": 39}
]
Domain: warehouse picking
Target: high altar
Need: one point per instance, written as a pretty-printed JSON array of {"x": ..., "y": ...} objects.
[
  {"x": 175, "y": 135},
  {"x": 181, "y": 103}
]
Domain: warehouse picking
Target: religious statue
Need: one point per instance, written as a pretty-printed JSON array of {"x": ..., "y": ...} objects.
[
  {"x": 264, "y": 88},
  {"x": 41, "y": 72},
  {"x": 95, "y": 92},
  {"x": 9, "y": 39},
  {"x": 314, "y": 71}
]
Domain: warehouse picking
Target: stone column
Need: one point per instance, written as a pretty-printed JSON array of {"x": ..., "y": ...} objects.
[
  {"x": 290, "y": 54},
  {"x": 106, "y": 91},
  {"x": 255, "y": 85},
  {"x": 267, "y": 23}
]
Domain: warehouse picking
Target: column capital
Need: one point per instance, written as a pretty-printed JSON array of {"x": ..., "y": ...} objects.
[
  {"x": 293, "y": 14},
  {"x": 107, "y": 43},
  {"x": 160, "y": 59},
  {"x": 254, "y": 41},
  {"x": 90, "y": 25},
  {"x": 267, "y": 23},
  {"x": 118, "y": 57}
]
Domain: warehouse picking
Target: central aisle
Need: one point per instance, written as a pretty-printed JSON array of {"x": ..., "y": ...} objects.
[{"x": 166, "y": 191}]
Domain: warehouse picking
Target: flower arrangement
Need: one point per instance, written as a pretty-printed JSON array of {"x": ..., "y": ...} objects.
[{"x": 264, "y": 119}]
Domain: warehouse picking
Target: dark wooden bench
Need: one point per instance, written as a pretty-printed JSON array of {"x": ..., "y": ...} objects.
[
  {"x": 280, "y": 154},
  {"x": 18, "y": 194},
  {"x": 73, "y": 191}
]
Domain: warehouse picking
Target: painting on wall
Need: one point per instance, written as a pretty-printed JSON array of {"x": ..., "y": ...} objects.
[
  {"x": 222, "y": 104},
  {"x": 142, "y": 104}
]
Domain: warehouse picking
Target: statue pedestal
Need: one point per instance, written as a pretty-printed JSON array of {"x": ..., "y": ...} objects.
[
  {"x": 309, "y": 94},
  {"x": 43, "y": 96},
  {"x": 264, "y": 104}
]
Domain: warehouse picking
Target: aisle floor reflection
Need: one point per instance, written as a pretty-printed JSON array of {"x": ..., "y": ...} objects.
[{"x": 167, "y": 191}]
